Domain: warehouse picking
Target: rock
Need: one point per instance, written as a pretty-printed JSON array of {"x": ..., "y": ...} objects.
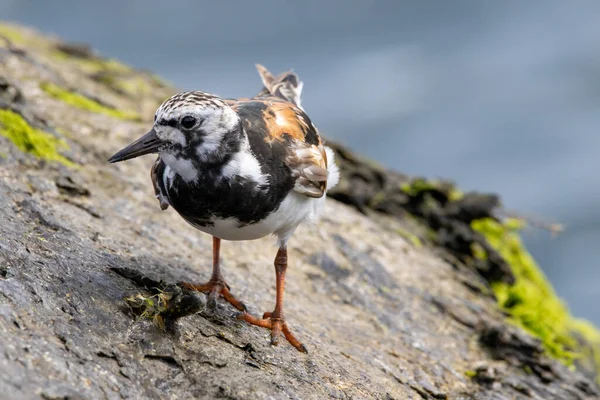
[
  {"x": 69, "y": 185},
  {"x": 386, "y": 292}
]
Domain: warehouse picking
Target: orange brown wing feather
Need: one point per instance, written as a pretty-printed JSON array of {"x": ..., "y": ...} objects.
[
  {"x": 281, "y": 118},
  {"x": 285, "y": 122}
]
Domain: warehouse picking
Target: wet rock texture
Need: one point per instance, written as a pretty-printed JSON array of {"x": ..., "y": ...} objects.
[{"x": 382, "y": 318}]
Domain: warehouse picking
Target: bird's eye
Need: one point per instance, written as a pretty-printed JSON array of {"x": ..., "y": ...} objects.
[{"x": 188, "y": 122}]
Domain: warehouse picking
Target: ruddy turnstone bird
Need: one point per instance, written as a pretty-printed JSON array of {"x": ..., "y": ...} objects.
[{"x": 240, "y": 170}]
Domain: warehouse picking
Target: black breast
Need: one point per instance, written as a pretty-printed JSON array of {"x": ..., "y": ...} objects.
[
  {"x": 214, "y": 197},
  {"x": 238, "y": 198}
]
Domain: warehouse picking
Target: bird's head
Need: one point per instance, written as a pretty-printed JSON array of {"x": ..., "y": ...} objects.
[{"x": 189, "y": 127}]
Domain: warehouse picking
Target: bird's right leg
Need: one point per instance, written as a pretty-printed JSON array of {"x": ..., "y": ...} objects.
[
  {"x": 275, "y": 320},
  {"x": 216, "y": 285}
]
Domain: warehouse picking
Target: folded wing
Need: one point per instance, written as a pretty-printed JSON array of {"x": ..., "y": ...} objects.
[{"x": 309, "y": 167}]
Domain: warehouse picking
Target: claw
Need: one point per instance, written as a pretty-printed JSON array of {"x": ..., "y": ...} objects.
[{"x": 277, "y": 325}]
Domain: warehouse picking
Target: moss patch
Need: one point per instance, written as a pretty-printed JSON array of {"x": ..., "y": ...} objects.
[
  {"x": 419, "y": 185},
  {"x": 531, "y": 300},
  {"x": 11, "y": 34},
  {"x": 30, "y": 140},
  {"x": 84, "y": 103},
  {"x": 470, "y": 373},
  {"x": 413, "y": 239},
  {"x": 150, "y": 307}
]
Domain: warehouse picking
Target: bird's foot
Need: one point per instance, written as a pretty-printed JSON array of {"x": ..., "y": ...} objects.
[
  {"x": 214, "y": 288},
  {"x": 276, "y": 323}
]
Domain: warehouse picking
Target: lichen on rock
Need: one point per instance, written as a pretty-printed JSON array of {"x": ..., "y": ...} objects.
[
  {"x": 531, "y": 301},
  {"x": 466, "y": 225},
  {"x": 11, "y": 33},
  {"x": 31, "y": 140},
  {"x": 85, "y": 103}
]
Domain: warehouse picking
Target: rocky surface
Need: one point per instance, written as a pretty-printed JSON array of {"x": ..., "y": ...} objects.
[{"x": 384, "y": 312}]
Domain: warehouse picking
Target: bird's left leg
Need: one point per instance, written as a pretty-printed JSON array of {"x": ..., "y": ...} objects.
[
  {"x": 216, "y": 285},
  {"x": 275, "y": 320}
]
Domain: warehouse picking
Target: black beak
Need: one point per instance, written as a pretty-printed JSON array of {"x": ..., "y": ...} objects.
[{"x": 147, "y": 144}]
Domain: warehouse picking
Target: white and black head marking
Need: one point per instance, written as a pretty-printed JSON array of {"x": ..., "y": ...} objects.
[
  {"x": 194, "y": 129},
  {"x": 196, "y": 121}
]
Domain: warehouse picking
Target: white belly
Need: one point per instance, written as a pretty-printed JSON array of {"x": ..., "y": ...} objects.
[{"x": 294, "y": 210}]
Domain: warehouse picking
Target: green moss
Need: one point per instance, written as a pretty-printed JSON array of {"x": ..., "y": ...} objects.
[
  {"x": 84, "y": 103},
  {"x": 478, "y": 251},
  {"x": 377, "y": 199},
  {"x": 133, "y": 86},
  {"x": 11, "y": 34},
  {"x": 410, "y": 237},
  {"x": 455, "y": 194},
  {"x": 30, "y": 140},
  {"x": 419, "y": 185},
  {"x": 431, "y": 235},
  {"x": 64, "y": 132},
  {"x": 531, "y": 301},
  {"x": 150, "y": 307},
  {"x": 470, "y": 373}
]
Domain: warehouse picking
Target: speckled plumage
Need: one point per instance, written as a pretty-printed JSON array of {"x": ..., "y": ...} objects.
[
  {"x": 272, "y": 134},
  {"x": 240, "y": 169}
]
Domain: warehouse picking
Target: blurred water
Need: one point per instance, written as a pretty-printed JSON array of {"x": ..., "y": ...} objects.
[{"x": 498, "y": 96}]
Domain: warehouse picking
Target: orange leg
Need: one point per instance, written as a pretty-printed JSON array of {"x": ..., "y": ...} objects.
[
  {"x": 275, "y": 320},
  {"x": 216, "y": 285}
]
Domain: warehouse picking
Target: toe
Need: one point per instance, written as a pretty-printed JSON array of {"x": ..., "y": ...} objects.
[
  {"x": 292, "y": 339},
  {"x": 231, "y": 298},
  {"x": 275, "y": 332}
]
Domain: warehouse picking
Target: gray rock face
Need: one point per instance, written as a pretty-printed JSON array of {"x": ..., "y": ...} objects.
[{"x": 381, "y": 317}]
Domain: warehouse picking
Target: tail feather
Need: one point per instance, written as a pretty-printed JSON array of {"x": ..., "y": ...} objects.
[
  {"x": 332, "y": 168},
  {"x": 287, "y": 85}
]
